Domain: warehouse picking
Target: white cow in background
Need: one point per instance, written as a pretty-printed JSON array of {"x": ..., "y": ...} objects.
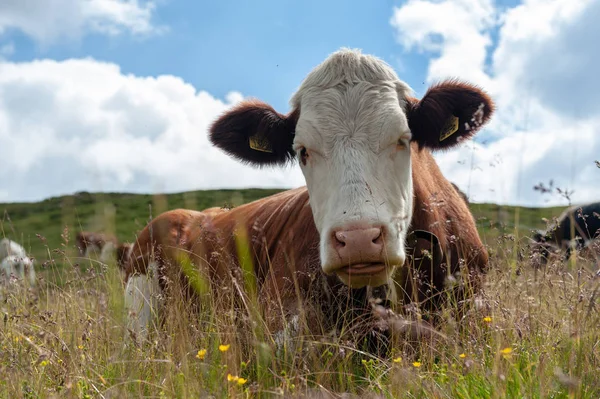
[
  {"x": 8, "y": 247},
  {"x": 14, "y": 263}
]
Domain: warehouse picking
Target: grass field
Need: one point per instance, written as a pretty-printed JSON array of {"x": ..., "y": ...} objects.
[{"x": 537, "y": 336}]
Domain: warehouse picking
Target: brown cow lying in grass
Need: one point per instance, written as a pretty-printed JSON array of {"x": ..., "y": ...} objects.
[{"x": 375, "y": 199}]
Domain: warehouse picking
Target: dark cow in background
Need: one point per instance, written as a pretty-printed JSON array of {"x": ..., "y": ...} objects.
[
  {"x": 374, "y": 201},
  {"x": 575, "y": 228}
]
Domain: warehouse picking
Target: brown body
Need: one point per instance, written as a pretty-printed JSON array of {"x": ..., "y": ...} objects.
[{"x": 284, "y": 244}]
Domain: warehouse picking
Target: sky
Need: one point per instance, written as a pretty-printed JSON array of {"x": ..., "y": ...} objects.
[{"x": 117, "y": 95}]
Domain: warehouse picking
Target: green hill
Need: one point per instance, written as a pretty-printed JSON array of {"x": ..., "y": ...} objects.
[
  {"x": 39, "y": 226},
  {"x": 47, "y": 228}
]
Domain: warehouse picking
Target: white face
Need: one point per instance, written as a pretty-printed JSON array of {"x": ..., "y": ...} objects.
[{"x": 353, "y": 146}]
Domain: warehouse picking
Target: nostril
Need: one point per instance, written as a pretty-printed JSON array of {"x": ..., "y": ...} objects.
[
  {"x": 339, "y": 238},
  {"x": 379, "y": 237}
]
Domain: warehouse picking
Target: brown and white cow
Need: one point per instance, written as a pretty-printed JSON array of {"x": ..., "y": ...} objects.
[
  {"x": 99, "y": 243},
  {"x": 373, "y": 187}
]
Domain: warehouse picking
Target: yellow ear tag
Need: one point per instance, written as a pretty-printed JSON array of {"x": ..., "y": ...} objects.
[
  {"x": 260, "y": 143},
  {"x": 449, "y": 128}
]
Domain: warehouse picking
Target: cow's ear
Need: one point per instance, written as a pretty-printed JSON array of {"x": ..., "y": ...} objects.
[
  {"x": 255, "y": 133},
  {"x": 450, "y": 112}
]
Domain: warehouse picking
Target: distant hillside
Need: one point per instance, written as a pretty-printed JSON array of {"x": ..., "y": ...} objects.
[
  {"x": 126, "y": 214},
  {"x": 123, "y": 214}
]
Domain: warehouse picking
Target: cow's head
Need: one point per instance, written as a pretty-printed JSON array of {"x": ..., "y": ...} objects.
[{"x": 350, "y": 130}]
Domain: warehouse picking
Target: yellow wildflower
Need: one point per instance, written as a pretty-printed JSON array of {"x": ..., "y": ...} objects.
[
  {"x": 241, "y": 381},
  {"x": 80, "y": 346},
  {"x": 462, "y": 355},
  {"x": 506, "y": 351},
  {"x": 397, "y": 360},
  {"x": 201, "y": 353},
  {"x": 44, "y": 363},
  {"x": 417, "y": 364},
  {"x": 487, "y": 319},
  {"x": 231, "y": 378},
  {"x": 224, "y": 348}
]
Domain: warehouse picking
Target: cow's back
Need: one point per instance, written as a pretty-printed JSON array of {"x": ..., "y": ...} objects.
[
  {"x": 572, "y": 223},
  {"x": 9, "y": 247}
]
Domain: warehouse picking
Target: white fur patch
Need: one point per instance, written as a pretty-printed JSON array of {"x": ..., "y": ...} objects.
[
  {"x": 17, "y": 269},
  {"x": 91, "y": 249},
  {"x": 141, "y": 302},
  {"x": 108, "y": 251},
  {"x": 354, "y": 127},
  {"x": 8, "y": 247},
  {"x": 287, "y": 335}
]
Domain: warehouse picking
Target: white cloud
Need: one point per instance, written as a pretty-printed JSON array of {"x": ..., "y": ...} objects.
[
  {"x": 83, "y": 125},
  {"x": 49, "y": 20},
  {"x": 542, "y": 75},
  {"x": 458, "y": 30}
]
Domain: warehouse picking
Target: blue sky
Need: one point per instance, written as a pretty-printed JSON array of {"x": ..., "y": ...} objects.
[
  {"x": 169, "y": 67},
  {"x": 261, "y": 48}
]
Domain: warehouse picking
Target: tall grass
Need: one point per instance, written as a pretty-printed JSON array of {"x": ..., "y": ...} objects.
[{"x": 535, "y": 334}]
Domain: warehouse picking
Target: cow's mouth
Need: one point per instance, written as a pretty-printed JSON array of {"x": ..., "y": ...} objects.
[{"x": 363, "y": 269}]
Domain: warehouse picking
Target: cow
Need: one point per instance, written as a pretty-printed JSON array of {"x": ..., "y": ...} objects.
[
  {"x": 9, "y": 247},
  {"x": 374, "y": 200},
  {"x": 575, "y": 228},
  {"x": 15, "y": 265},
  {"x": 102, "y": 244}
]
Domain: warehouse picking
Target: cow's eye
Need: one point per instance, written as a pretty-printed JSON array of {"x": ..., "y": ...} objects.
[
  {"x": 303, "y": 155},
  {"x": 401, "y": 144}
]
